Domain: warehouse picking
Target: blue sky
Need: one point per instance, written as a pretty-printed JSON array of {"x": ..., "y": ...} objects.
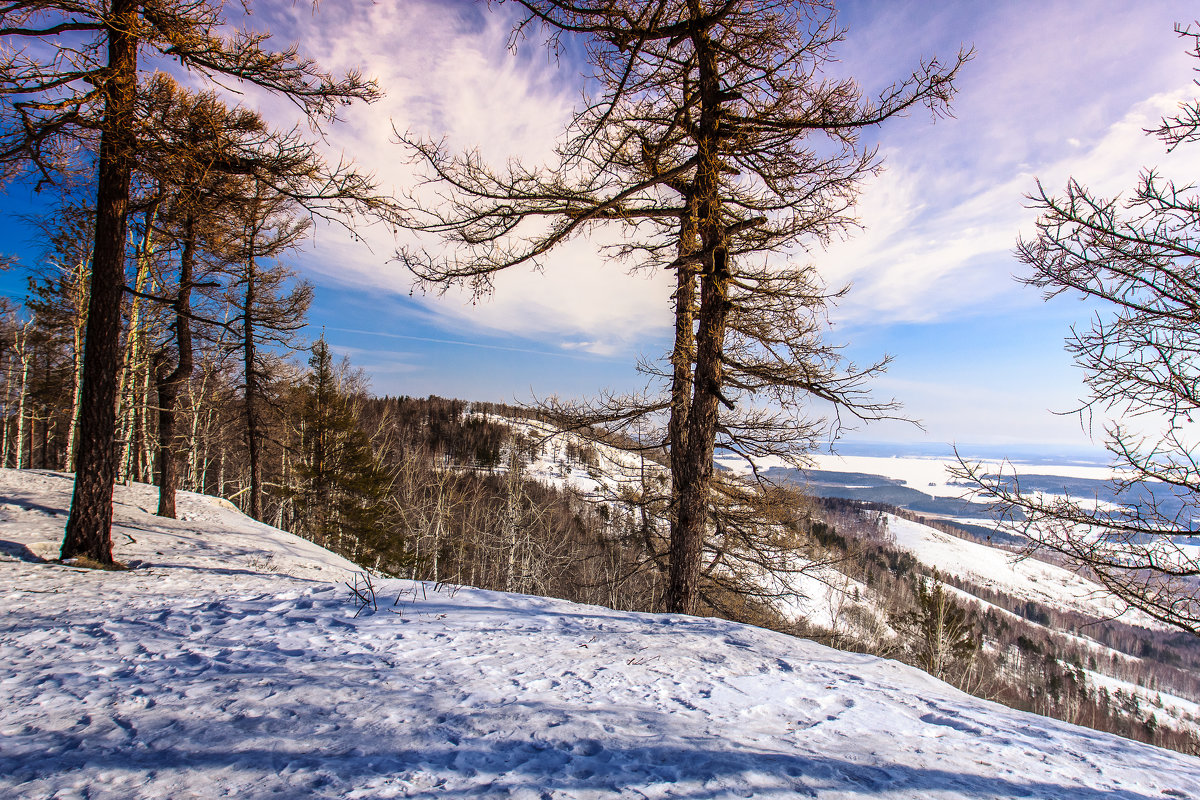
[{"x": 1055, "y": 89}]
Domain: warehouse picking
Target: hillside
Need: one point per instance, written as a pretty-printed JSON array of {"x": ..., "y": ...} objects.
[
  {"x": 1020, "y": 578},
  {"x": 231, "y": 660},
  {"x": 1043, "y": 638}
]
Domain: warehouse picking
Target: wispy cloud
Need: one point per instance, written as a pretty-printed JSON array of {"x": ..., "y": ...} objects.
[
  {"x": 479, "y": 345},
  {"x": 942, "y": 221},
  {"x": 449, "y": 75},
  {"x": 1055, "y": 90}
]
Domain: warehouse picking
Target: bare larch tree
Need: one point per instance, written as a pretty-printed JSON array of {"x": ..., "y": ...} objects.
[
  {"x": 224, "y": 169},
  {"x": 269, "y": 307},
  {"x": 1138, "y": 259},
  {"x": 712, "y": 136}
]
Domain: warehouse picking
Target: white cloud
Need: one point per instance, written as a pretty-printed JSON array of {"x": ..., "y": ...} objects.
[
  {"x": 939, "y": 244},
  {"x": 448, "y": 74},
  {"x": 1048, "y": 96}
]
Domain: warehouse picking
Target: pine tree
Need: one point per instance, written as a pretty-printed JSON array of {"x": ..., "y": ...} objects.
[
  {"x": 1136, "y": 260},
  {"x": 342, "y": 489}
]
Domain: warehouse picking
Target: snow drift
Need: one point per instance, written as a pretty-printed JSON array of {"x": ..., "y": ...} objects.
[{"x": 230, "y": 662}]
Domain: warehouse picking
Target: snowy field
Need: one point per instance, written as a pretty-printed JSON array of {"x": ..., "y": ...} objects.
[
  {"x": 932, "y": 475},
  {"x": 1023, "y": 578},
  {"x": 925, "y": 474},
  {"x": 230, "y": 663}
]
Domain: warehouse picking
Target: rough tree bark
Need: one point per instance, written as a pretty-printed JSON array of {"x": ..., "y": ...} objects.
[
  {"x": 88, "y": 531},
  {"x": 170, "y": 384}
]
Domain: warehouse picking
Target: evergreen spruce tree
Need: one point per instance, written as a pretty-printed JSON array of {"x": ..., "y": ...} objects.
[{"x": 342, "y": 489}]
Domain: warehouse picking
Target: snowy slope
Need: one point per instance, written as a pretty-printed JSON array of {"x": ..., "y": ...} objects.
[
  {"x": 814, "y": 596},
  {"x": 230, "y": 663},
  {"x": 1022, "y": 578},
  {"x": 614, "y": 468}
]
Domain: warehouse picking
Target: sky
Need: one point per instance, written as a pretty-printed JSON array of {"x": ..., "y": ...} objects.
[{"x": 1055, "y": 89}]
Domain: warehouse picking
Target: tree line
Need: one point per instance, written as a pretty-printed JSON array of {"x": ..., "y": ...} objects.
[{"x": 80, "y": 107}]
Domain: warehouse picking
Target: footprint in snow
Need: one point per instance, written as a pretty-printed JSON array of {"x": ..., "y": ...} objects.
[
  {"x": 949, "y": 722},
  {"x": 689, "y": 706},
  {"x": 587, "y": 747}
]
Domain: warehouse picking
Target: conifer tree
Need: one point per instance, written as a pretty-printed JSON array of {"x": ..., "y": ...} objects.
[
  {"x": 59, "y": 290},
  {"x": 341, "y": 489},
  {"x": 268, "y": 307},
  {"x": 711, "y": 137}
]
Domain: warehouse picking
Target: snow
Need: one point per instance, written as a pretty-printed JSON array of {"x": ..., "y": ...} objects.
[
  {"x": 231, "y": 662},
  {"x": 1023, "y": 578},
  {"x": 615, "y": 469},
  {"x": 932, "y": 475}
]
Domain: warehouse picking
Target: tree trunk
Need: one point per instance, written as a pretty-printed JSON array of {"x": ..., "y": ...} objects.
[
  {"x": 168, "y": 478},
  {"x": 7, "y": 417},
  {"x": 23, "y": 354},
  {"x": 133, "y": 349},
  {"x": 682, "y": 358},
  {"x": 194, "y": 404},
  {"x": 253, "y": 432},
  {"x": 77, "y": 331},
  {"x": 694, "y": 477},
  {"x": 46, "y": 462},
  {"x": 145, "y": 467},
  {"x": 89, "y": 528},
  {"x": 695, "y": 480},
  {"x": 170, "y": 385},
  {"x": 509, "y": 522}
]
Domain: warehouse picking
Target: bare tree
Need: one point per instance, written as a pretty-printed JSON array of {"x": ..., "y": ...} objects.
[
  {"x": 1139, "y": 257},
  {"x": 68, "y": 77},
  {"x": 713, "y": 139},
  {"x": 268, "y": 313},
  {"x": 59, "y": 290}
]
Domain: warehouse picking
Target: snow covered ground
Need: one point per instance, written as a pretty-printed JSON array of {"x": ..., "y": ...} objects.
[
  {"x": 933, "y": 475},
  {"x": 1023, "y": 578},
  {"x": 230, "y": 662}
]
